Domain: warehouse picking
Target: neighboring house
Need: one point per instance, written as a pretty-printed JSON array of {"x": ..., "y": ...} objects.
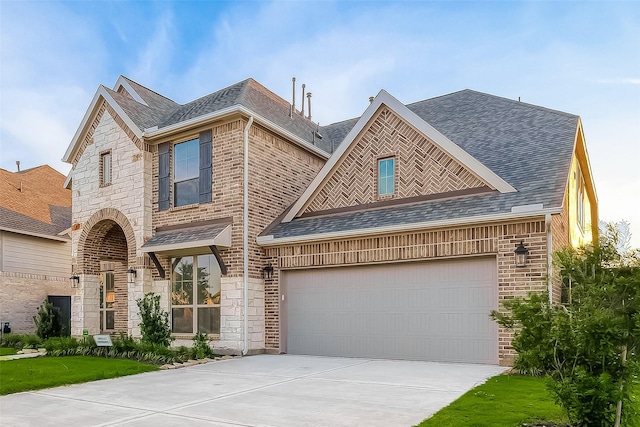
[
  {"x": 35, "y": 247},
  {"x": 396, "y": 245}
]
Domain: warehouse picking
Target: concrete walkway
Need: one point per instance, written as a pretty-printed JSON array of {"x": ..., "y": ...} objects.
[{"x": 263, "y": 390}]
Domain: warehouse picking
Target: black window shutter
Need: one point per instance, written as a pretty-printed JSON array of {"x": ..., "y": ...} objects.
[
  {"x": 204, "y": 181},
  {"x": 164, "y": 169}
]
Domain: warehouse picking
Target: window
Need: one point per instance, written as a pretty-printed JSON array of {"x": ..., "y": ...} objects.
[
  {"x": 580, "y": 199},
  {"x": 190, "y": 172},
  {"x": 386, "y": 176},
  {"x": 105, "y": 168},
  {"x": 107, "y": 301},
  {"x": 186, "y": 170},
  {"x": 195, "y": 295}
]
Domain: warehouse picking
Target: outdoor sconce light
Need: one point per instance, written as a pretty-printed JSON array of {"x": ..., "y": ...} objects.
[
  {"x": 521, "y": 255},
  {"x": 267, "y": 272},
  {"x": 131, "y": 275},
  {"x": 74, "y": 281}
]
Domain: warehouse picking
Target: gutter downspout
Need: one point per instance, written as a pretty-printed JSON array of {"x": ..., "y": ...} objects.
[
  {"x": 547, "y": 222},
  {"x": 245, "y": 230}
]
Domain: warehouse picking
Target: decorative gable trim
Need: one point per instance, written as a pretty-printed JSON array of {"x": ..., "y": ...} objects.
[
  {"x": 449, "y": 147},
  {"x": 122, "y": 82},
  {"x": 101, "y": 100}
]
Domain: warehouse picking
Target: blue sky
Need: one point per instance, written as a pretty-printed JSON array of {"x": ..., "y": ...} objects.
[{"x": 582, "y": 57}]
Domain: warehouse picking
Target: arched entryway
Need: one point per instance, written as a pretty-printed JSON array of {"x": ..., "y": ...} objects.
[{"x": 106, "y": 250}]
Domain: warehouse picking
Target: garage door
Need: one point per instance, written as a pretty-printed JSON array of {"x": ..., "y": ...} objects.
[{"x": 436, "y": 311}]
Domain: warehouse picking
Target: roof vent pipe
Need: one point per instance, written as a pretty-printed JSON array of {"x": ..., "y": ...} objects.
[
  {"x": 18, "y": 165},
  {"x": 293, "y": 106},
  {"x": 309, "y": 101},
  {"x": 302, "y": 112}
]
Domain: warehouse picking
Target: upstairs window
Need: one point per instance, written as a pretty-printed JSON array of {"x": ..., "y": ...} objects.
[
  {"x": 386, "y": 176},
  {"x": 105, "y": 168},
  {"x": 186, "y": 171}
]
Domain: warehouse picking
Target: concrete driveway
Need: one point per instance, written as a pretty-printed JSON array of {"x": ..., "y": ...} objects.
[{"x": 264, "y": 390}]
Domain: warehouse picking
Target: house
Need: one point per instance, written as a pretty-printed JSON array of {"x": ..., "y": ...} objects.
[
  {"x": 35, "y": 247},
  {"x": 390, "y": 235}
]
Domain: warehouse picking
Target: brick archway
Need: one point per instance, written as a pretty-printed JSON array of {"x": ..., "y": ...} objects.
[{"x": 96, "y": 227}]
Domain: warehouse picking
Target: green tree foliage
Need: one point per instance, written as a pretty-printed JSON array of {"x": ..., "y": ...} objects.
[
  {"x": 154, "y": 326},
  {"x": 588, "y": 346},
  {"x": 48, "y": 321}
]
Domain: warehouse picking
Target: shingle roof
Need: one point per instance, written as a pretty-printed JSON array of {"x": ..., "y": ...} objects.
[
  {"x": 185, "y": 235},
  {"x": 34, "y": 201},
  {"x": 528, "y": 146},
  {"x": 162, "y": 112}
]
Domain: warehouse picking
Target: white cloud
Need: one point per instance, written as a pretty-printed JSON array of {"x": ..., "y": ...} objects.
[{"x": 154, "y": 61}]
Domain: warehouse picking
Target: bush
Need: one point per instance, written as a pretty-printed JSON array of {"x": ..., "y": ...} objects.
[
  {"x": 48, "y": 321},
  {"x": 20, "y": 341},
  {"x": 154, "y": 327},
  {"x": 201, "y": 348},
  {"x": 588, "y": 347}
]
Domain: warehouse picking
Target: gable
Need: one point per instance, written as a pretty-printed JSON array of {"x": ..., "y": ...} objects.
[
  {"x": 366, "y": 122},
  {"x": 422, "y": 167}
]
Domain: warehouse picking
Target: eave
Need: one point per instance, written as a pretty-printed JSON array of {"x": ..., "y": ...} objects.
[
  {"x": 270, "y": 240},
  {"x": 154, "y": 134},
  {"x": 101, "y": 95},
  {"x": 32, "y": 234}
]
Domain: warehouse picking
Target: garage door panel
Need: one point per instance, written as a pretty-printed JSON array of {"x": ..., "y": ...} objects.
[{"x": 422, "y": 311}]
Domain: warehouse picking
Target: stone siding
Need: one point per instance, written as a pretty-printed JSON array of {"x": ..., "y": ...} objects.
[{"x": 97, "y": 209}]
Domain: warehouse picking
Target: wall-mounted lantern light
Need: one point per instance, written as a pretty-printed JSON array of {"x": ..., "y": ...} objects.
[
  {"x": 267, "y": 272},
  {"x": 522, "y": 254},
  {"x": 74, "y": 280},
  {"x": 131, "y": 275}
]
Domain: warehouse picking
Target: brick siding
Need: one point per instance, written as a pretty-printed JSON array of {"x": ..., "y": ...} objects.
[
  {"x": 422, "y": 168},
  {"x": 498, "y": 239}
]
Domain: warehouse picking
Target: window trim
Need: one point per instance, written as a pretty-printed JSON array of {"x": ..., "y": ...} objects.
[
  {"x": 379, "y": 160},
  {"x": 174, "y": 194},
  {"x": 194, "y": 304},
  {"x": 104, "y": 155},
  {"x": 580, "y": 194},
  {"x": 103, "y": 309}
]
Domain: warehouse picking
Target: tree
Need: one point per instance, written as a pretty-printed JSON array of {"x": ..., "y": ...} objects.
[{"x": 587, "y": 347}]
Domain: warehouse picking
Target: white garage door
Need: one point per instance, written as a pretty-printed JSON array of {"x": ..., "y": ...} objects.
[{"x": 436, "y": 311}]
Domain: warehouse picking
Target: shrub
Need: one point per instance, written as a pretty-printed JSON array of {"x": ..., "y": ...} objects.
[
  {"x": 201, "y": 348},
  {"x": 48, "y": 321},
  {"x": 154, "y": 327},
  {"x": 20, "y": 341},
  {"x": 588, "y": 347}
]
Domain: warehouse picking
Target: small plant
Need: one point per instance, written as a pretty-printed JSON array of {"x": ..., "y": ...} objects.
[
  {"x": 48, "y": 321},
  {"x": 154, "y": 327},
  {"x": 201, "y": 348},
  {"x": 20, "y": 341}
]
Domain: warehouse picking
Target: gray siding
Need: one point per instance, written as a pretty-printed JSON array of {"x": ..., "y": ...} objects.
[{"x": 34, "y": 255}]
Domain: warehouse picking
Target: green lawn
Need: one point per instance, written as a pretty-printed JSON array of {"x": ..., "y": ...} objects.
[
  {"x": 5, "y": 351},
  {"x": 503, "y": 401},
  {"x": 44, "y": 372}
]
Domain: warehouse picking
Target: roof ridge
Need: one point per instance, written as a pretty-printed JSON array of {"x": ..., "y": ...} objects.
[
  {"x": 503, "y": 98},
  {"x": 150, "y": 90},
  {"x": 214, "y": 92}
]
